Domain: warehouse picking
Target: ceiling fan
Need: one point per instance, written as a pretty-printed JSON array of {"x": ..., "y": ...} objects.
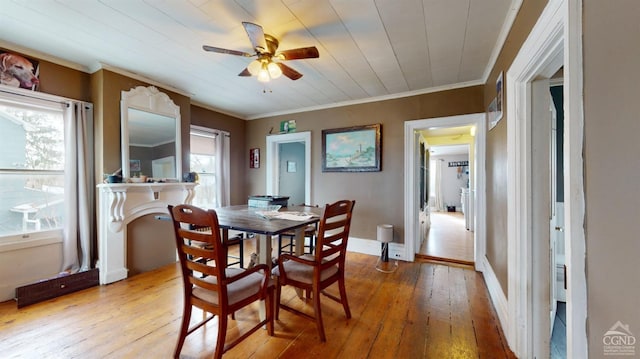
[{"x": 268, "y": 64}]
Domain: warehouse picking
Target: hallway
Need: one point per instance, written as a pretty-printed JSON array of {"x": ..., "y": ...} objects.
[{"x": 448, "y": 239}]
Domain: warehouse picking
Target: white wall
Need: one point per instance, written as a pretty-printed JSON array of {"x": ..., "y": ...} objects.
[
  {"x": 451, "y": 184},
  {"x": 27, "y": 261}
]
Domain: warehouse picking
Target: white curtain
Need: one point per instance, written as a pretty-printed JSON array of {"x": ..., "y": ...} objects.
[
  {"x": 79, "y": 187},
  {"x": 223, "y": 196},
  {"x": 439, "y": 198}
]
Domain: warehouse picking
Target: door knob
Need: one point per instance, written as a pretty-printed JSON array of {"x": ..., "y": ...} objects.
[{"x": 559, "y": 229}]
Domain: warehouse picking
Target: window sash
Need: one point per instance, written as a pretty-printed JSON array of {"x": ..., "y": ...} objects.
[{"x": 41, "y": 212}]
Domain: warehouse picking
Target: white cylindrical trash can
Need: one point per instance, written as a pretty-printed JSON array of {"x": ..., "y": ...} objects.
[{"x": 385, "y": 236}]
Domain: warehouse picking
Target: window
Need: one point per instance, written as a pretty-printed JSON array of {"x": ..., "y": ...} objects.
[
  {"x": 210, "y": 160},
  {"x": 31, "y": 165}
]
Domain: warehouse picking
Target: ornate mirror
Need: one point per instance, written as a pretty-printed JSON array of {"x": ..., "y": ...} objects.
[{"x": 151, "y": 134}]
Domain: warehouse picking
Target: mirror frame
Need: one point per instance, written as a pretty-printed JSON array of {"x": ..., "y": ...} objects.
[{"x": 148, "y": 99}]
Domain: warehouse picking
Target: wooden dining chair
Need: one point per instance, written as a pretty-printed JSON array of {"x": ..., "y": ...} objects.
[
  {"x": 227, "y": 243},
  {"x": 209, "y": 284},
  {"x": 286, "y": 240},
  {"x": 314, "y": 273}
]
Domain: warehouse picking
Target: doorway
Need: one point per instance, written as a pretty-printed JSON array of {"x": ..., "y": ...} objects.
[
  {"x": 414, "y": 214},
  {"x": 558, "y": 315},
  {"x": 275, "y": 168},
  {"x": 553, "y": 43},
  {"x": 449, "y": 237},
  {"x": 291, "y": 171}
]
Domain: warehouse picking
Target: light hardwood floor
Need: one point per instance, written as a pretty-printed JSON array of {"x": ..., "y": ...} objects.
[
  {"x": 448, "y": 239},
  {"x": 423, "y": 310}
]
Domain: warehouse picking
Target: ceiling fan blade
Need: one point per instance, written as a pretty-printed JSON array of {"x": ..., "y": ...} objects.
[
  {"x": 226, "y": 51},
  {"x": 288, "y": 71},
  {"x": 256, "y": 36},
  {"x": 301, "y": 53},
  {"x": 245, "y": 72}
]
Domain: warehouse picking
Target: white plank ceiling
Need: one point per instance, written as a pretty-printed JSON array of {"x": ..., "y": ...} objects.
[{"x": 369, "y": 50}]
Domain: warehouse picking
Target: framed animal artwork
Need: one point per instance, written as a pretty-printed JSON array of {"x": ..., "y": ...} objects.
[{"x": 18, "y": 71}]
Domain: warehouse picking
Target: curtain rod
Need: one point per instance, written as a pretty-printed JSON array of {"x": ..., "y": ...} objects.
[{"x": 44, "y": 97}]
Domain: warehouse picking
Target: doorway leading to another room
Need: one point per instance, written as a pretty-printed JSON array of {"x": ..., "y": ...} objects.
[
  {"x": 288, "y": 161},
  {"x": 449, "y": 237},
  {"x": 429, "y": 226}
]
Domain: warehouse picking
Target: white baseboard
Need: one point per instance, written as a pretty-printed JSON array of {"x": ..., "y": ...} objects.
[{"x": 496, "y": 293}]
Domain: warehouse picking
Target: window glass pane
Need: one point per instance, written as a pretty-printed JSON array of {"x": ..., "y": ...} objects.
[
  {"x": 30, "y": 202},
  {"x": 31, "y": 139},
  {"x": 31, "y": 168},
  {"x": 206, "y": 191},
  {"x": 202, "y": 163}
]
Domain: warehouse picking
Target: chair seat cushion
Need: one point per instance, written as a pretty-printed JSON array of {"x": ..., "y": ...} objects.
[
  {"x": 236, "y": 291},
  {"x": 302, "y": 272}
]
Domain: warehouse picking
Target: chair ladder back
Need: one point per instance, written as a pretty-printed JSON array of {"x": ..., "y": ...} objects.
[
  {"x": 333, "y": 231},
  {"x": 199, "y": 247},
  {"x": 326, "y": 268},
  {"x": 203, "y": 262}
]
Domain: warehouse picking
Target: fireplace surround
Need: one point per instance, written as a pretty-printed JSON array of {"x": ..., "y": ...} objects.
[{"x": 119, "y": 205}]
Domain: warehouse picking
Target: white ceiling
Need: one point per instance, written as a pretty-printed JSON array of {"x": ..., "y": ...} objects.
[
  {"x": 449, "y": 150},
  {"x": 451, "y": 134},
  {"x": 369, "y": 50}
]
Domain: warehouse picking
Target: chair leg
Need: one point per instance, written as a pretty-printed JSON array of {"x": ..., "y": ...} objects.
[
  {"x": 270, "y": 309},
  {"x": 343, "y": 297},
  {"x": 277, "y": 303},
  {"x": 222, "y": 334},
  {"x": 279, "y": 245},
  {"x": 290, "y": 245},
  {"x": 311, "y": 244},
  {"x": 184, "y": 328},
  {"x": 318, "y": 313}
]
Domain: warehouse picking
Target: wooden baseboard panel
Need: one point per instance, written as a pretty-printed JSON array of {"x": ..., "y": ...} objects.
[{"x": 55, "y": 287}]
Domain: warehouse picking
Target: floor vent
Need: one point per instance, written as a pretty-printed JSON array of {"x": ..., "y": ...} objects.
[{"x": 55, "y": 287}]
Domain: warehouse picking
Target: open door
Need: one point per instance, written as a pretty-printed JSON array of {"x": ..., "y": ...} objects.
[
  {"x": 553, "y": 222},
  {"x": 541, "y": 203},
  {"x": 547, "y": 226}
]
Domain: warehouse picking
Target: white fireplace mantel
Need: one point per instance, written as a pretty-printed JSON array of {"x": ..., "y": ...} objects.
[{"x": 121, "y": 203}]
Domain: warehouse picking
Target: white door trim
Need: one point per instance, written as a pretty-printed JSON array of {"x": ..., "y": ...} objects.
[
  {"x": 555, "y": 41},
  {"x": 273, "y": 160},
  {"x": 411, "y": 165}
]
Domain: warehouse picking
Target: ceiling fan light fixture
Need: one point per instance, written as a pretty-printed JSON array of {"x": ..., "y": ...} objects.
[
  {"x": 274, "y": 70},
  {"x": 263, "y": 74},
  {"x": 254, "y": 67},
  {"x": 265, "y": 47}
]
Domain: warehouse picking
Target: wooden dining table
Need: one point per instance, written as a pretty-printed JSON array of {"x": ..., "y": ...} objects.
[{"x": 249, "y": 219}]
